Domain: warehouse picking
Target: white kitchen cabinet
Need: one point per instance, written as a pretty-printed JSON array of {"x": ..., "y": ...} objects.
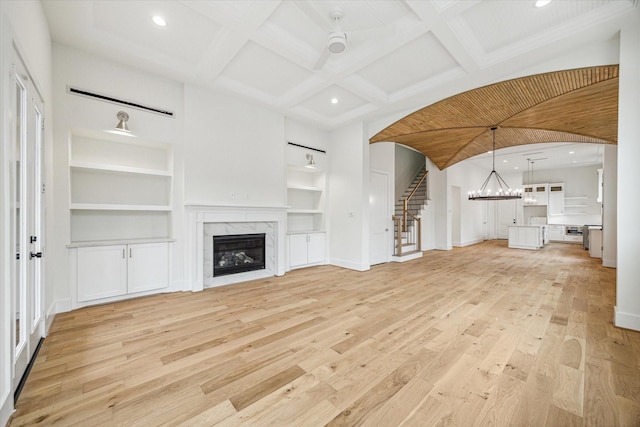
[
  {"x": 526, "y": 236},
  {"x": 556, "y": 233},
  {"x": 111, "y": 272},
  {"x": 595, "y": 242},
  {"x": 556, "y": 199},
  {"x": 536, "y": 195},
  {"x": 541, "y": 194},
  {"x": 306, "y": 249}
]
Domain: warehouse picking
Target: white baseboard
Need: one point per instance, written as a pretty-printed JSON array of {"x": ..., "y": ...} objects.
[
  {"x": 57, "y": 306},
  {"x": 6, "y": 409},
  {"x": 471, "y": 242},
  {"x": 626, "y": 320},
  {"x": 350, "y": 265},
  {"x": 609, "y": 263}
]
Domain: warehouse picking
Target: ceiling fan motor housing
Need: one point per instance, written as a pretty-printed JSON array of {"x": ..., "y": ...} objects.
[{"x": 337, "y": 42}]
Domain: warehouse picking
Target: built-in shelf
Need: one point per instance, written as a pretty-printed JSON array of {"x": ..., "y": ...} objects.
[
  {"x": 304, "y": 211},
  {"x": 107, "y": 207},
  {"x": 575, "y": 206},
  {"x": 306, "y": 198},
  {"x": 576, "y": 198},
  {"x": 120, "y": 188},
  {"x": 118, "y": 168},
  {"x": 304, "y": 188}
]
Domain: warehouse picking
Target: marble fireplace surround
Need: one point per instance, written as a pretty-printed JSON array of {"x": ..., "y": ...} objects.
[{"x": 205, "y": 221}]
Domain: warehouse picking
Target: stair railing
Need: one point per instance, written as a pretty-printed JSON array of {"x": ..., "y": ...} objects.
[
  {"x": 405, "y": 202},
  {"x": 415, "y": 237},
  {"x": 401, "y": 221}
]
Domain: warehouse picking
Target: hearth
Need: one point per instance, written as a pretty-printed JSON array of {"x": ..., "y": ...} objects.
[{"x": 238, "y": 253}]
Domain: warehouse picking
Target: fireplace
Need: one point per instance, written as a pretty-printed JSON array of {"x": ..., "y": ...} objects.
[{"x": 238, "y": 253}]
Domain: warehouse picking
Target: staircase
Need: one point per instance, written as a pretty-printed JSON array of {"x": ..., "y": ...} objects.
[{"x": 417, "y": 194}]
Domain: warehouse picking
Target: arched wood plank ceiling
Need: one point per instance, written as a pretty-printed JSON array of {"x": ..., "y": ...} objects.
[{"x": 579, "y": 105}]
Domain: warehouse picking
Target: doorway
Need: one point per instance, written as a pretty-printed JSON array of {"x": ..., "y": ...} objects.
[
  {"x": 26, "y": 126},
  {"x": 456, "y": 216}
]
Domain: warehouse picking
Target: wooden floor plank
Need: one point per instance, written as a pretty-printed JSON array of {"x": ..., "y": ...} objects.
[{"x": 481, "y": 335}]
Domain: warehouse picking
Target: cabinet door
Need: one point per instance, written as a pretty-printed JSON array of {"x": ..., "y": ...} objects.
[
  {"x": 315, "y": 248},
  {"x": 102, "y": 272},
  {"x": 556, "y": 200},
  {"x": 297, "y": 250},
  {"x": 148, "y": 266}
]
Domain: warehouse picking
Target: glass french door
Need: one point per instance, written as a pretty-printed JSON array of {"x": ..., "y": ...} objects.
[{"x": 27, "y": 219}]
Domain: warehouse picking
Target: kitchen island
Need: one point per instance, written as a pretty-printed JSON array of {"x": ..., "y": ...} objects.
[{"x": 531, "y": 237}]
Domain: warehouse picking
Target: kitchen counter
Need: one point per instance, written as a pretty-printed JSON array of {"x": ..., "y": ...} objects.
[{"x": 527, "y": 236}]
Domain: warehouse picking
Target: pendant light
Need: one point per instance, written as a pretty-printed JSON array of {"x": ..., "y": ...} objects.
[
  {"x": 530, "y": 197},
  {"x": 503, "y": 191}
]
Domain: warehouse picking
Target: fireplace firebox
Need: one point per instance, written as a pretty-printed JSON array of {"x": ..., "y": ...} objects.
[{"x": 238, "y": 253}]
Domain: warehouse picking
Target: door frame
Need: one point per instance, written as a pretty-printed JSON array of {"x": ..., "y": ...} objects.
[
  {"x": 32, "y": 214},
  {"x": 389, "y": 213}
]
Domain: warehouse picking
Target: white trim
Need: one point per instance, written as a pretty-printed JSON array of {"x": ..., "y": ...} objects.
[
  {"x": 6, "y": 409},
  {"x": 198, "y": 215},
  {"x": 626, "y": 320},
  {"x": 609, "y": 263},
  {"x": 350, "y": 265}
]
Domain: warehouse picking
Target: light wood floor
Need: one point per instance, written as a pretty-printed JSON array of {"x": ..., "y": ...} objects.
[{"x": 483, "y": 335}]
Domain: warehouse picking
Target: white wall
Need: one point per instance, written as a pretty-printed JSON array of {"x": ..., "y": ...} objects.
[
  {"x": 580, "y": 181},
  {"x": 408, "y": 162},
  {"x": 234, "y": 151},
  {"x": 627, "y": 310},
  {"x": 382, "y": 159},
  {"x": 304, "y": 134},
  {"x": 24, "y": 24},
  {"x": 85, "y": 71},
  {"x": 349, "y": 197},
  {"x": 473, "y": 215}
]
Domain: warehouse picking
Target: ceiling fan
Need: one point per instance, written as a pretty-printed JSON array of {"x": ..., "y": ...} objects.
[{"x": 337, "y": 41}]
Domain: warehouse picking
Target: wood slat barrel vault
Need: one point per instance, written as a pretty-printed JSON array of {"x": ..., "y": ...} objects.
[{"x": 579, "y": 105}]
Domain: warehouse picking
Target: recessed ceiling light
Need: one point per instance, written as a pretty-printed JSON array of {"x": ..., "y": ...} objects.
[
  {"x": 334, "y": 100},
  {"x": 489, "y": 152},
  {"x": 159, "y": 21},
  {"x": 505, "y": 161},
  {"x": 575, "y": 161},
  {"x": 515, "y": 167},
  {"x": 541, "y": 3},
  {"x": 571, "y": 152}
]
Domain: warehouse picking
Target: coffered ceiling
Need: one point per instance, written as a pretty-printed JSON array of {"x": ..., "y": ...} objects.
[{"x": 274, "y": 52}]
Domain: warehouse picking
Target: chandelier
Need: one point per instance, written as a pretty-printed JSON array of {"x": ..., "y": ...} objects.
[{"x": 503, "y": 192}]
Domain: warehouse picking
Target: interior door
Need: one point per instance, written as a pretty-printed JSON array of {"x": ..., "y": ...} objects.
[
  {"x": 507, "y": 213},
  {"x": 379, "y": 218},
  {"x": 26, "y": 132}
]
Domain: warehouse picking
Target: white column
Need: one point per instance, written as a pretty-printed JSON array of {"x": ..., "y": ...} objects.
[
  {"x": 609, "y": 206},
  {"x": 627, "y": 310}
]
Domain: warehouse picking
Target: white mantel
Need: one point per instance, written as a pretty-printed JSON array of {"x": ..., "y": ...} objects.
[{"x": 202, "y": 218}]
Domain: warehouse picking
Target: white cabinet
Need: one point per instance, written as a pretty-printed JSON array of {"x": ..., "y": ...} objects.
[
  {"x": 556, "y": 233},
  {"x": 101, "y": 272},
  {"x": 595, "y": 242},
  {"x": 535, "y": 195},
  {"x": 147, "y": 267},
  {"x": 104, "y": 272},
  {"x": 541, "y": 194},
  {"x": 556, "y": 199},
  {"x": 526, "y": 236},
  {"x": 120, "y": 188},
  {"x": 306, "y": 249}
]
